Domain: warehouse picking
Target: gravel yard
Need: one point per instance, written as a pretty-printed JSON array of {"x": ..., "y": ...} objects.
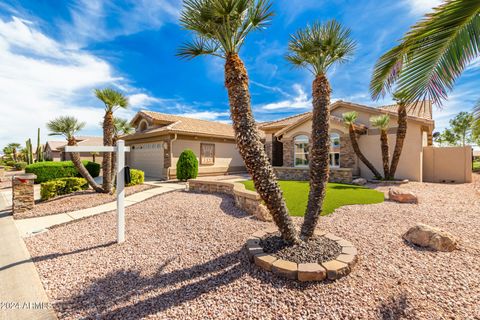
[
  {"x": 183, "y": 259},
  {"x": 76, "y": 201}
]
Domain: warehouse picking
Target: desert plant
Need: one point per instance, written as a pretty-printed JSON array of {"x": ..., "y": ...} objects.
[
  {"x": 54, "y": 188},
  {"x": 112, "y": 101},
  {"x": 349, "y": 118},
  {"x": 39, "y": 152},
  {"x": 401, "y": 132},
  {"x": 137, "y": 177},
  {"x": 12, "y": 149},
  {"x": 220, "y": 28},
  {"x": 68, "y": 126},
  {"x": 187, "y": 165},
  {"x": 51, "y": 170},
  {"x": 382, "y": 122},
  {"x": 29, "y": 151},
  {"x": 317, "y": 48},
  {"x": 20, "y": 165}
]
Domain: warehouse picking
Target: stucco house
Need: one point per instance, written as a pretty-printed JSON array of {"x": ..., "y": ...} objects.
[
  {"x": 159, "y": 139},
  {"x": 287, "y": 141},
  {"x": 54, "y": 150}
]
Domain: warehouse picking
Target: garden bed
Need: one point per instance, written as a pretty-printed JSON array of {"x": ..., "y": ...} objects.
[
  {"x": 76, "y": 201},
  {"x": 184, "y": 258}
]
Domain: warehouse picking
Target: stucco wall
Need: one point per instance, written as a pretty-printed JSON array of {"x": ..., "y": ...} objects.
[
  {"x": 450, "y": 164},
  {"x": 410, "y": 165}
]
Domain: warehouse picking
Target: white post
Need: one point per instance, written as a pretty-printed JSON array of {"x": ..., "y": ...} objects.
[{"x": 120, "y": 154}]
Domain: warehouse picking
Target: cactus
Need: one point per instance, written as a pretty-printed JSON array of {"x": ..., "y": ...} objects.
[
  {"x": 39, "y": 152},
  {"x": 29, "y": 151}
]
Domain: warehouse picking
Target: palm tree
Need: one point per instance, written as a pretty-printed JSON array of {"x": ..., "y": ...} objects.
[
  {"x": 432, "y": 55},
  {"x": 112, "y": 100},
  {"x": 120, "y": 127},
  {"x": 382, "y": 122},
  {"x": 14, "y": 148},
  {"x": 317, "y": 48},
  {"x": 220, "y": 28},
  {"x": 401, "y": 132},
  {"x": 349, "y": 118},
  {"x": 68, "y": 127}
]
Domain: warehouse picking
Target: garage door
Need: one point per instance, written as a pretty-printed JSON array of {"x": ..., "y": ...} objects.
[{"x": 148, "y": 157}]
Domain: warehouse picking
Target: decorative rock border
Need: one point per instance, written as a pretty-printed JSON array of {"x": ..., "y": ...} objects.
[{"x": 332, "y": 270}]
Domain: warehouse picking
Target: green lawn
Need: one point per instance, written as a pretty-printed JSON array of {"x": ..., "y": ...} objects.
[
  {"x": 476, "y": 166},
  {"x": 296, "y": 196}
]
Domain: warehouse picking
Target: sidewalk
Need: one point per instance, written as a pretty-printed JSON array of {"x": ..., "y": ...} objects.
[
  {"x": 21, "y": 291},
  {"x": 31, "y": 226}
]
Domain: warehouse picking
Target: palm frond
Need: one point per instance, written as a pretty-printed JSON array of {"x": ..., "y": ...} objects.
[
  {"x": 198, "y": 47},
  {"x": 350, "y": 117},
  {"x": 433, "y": 54},
  {"x": 112, "y": 99},
  {"x": 381, "y": 122},
  {"x": 65, "y": 126}
]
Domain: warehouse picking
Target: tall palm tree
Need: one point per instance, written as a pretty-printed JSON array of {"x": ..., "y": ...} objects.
[
  {"x": 113, "y": 100},
  {"x": 220, "y": 28},
  {"x": 401, "y": 132},
  {"x": 317, "y": 48},
  {"x": 382, "y": 122},
  {"x": 120, "y": 127},
  {"x": 349, "y": 118},
  {"x": 68, "y": 127},
  {"x": 14, "y": 147},
  {"x": 432, "y": 55}
]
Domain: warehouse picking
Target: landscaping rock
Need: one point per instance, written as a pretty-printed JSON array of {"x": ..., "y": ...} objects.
[
  {"x": 285, "y": 269},
  {"x": 359, "y": 181},
  {"x": 336, "y": 269},
  {"x": 264, "y": 261},
  {"x": 311, "y": 272},
  {"x": 426, "y": 236},
  {"x": 402, "y": 196}
]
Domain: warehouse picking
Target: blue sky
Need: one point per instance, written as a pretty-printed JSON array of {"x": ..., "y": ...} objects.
[{"x": 54, "y": 52}]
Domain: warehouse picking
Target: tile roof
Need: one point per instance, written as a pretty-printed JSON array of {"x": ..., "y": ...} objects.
[
  {"x": 420, "y": 109},
  {"x": 282, "y": 122},
  {"x": 179, "y": 124},
  {"x": 54, "y": 145},
  {"x": 81, "y": 141}
]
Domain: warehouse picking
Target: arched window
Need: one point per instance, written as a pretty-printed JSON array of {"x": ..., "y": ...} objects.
[
  {"x": 301, "y": 151},
  {"x": 143, "y": 126},
  {"x": 334, "y": 150}
]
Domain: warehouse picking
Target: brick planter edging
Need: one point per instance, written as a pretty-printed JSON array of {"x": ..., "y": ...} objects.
[
  {"x": 331, "y": 270},
  {"x": 247, "y": 200}
]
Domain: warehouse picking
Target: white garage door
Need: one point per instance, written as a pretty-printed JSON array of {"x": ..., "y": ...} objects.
[{"x": 148, "y": 157}]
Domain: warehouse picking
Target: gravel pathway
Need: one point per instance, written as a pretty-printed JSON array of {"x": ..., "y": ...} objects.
[
  {"x": 183, "y": 259},
  {"x": 76, "y": 201}
]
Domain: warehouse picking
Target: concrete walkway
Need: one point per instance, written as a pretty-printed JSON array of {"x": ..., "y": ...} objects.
[
  {"x": 21, "y": 292},
  {"x": 31, "y": 226}
]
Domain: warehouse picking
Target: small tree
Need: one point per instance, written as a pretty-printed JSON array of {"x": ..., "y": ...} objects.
[
  {"x": 462, "y": 126},
  {"x": 187, "y": 165},
  {"x": 382, "y": 122}
]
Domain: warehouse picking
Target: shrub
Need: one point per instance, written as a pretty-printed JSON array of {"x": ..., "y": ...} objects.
[
  {"x": 62, "y": 186},
  {"x": 20, "y": 165},
  {"x": 137, "y": 177},
  {"x": 187, "y": 165},
  {"x": 47, "y": 171},
  {"x": 10, "y": 163}
]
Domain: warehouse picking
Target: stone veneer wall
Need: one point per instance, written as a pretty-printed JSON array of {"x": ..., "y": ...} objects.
[
  {"x": 348, "y": 158},
  {"x": 23, "y": 193},
  {"x": 288, "y": 149},
  {"x": 246, "y": 200},
  {"x": 268, "y": 150},
  {"x": 340, "y": 175}
]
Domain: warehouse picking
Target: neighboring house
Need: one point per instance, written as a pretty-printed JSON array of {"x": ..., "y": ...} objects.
[
  {"x": 287, "y": 142},
  {"x": 55, "y": 150},
  {"x": 160, "y": 139}
]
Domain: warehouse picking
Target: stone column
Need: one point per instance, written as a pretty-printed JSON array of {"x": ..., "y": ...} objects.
[
  {"x": 348, "y": 158},
  {"x": 22, "y": 193},
  {"x": 268, "y": 150},
  {"x": 288, "y": 156}
]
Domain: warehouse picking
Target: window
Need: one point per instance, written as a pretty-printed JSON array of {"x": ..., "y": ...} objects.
[
  {"x": 207, "y": 153},
  {"x": 301, "y": 151},
  {"x": 334, "y": 150},
  {"x": 143, "y": 126}
]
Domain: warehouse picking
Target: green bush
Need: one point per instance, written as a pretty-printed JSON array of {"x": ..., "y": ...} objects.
[
  {"x": 137, "y": 177},
  {"x": 10, "y": 163},
  {"x": 54, "y": 188},
  {"x": 187, "y": 165},
  {"x": 47, "y": 171},
  {"x": 20, "y": 165}
]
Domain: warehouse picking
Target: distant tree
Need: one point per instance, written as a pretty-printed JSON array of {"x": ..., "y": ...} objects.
[
  {"x": 349, "y": 118},
  {"x": 120, "y": 127},
  {"x": 382, "y": 122},
  {"x": 449, "y": 137},
  {"x": 14, "y": 148},
  {"x": 462, "y": 126}
]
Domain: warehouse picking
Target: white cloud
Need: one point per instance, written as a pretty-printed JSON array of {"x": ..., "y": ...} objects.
[
  {"x": 141, "y": 100},
  {"x": 299, "y": 101},
  {"x": 421, "y": 7},
  {"x": 41, "y": 79},
  {"x": 206, "y": 115}
]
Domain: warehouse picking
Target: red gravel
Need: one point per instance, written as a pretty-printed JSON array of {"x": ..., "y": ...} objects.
[
  {"x": 76, "y": 201},
  {"x": 183, "y": 259}
]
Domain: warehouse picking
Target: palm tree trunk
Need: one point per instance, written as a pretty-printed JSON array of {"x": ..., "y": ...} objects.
[
  {"x": 385, "y": 156},
  {"x": 401, "y": 134},
  {"x": 251, "y": 148},
  {"x": 359, "y": 153},
  {"x": 319, "y": 154},
  {"x": 107, "y": 156},
  {"x": 77, "y": 162}
]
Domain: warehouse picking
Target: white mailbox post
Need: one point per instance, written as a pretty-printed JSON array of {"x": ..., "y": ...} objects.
[{"x": 119, "y": 151}]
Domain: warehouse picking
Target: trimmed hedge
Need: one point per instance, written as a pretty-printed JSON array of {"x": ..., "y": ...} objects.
[
  {"x": 20, "y": 165},
  {"x": 54, "y": 188},
  {"x": 187, "y": 165},
  {"x": 137, "y": 177},
  {"x": 47, "y": 171}
]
